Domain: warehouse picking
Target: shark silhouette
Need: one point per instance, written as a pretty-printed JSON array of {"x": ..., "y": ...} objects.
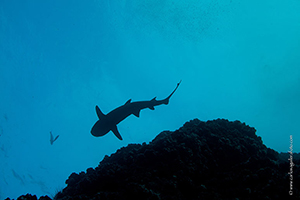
[{"x": 109, "y": 121}]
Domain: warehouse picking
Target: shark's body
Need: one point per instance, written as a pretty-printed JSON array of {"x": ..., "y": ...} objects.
[{"x": 109, "y": 121}]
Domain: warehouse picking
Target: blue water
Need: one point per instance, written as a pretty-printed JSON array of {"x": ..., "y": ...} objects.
[{"x": 236, "y": 60}]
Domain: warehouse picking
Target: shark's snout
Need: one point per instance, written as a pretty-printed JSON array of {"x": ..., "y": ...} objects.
[
  {"x": 99, "y": 129},
  {"x": 93, "y": 132}
]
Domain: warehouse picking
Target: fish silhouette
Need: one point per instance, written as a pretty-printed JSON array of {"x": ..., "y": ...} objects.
[
  {"x": 51, "y": 138},
  {"x": 109, "y": 121}
]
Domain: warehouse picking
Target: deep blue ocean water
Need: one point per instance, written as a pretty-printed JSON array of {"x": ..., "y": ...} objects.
[{"x": 58, "y": 59}]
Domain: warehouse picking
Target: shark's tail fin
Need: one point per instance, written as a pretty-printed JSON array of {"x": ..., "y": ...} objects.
[{"x": 166, "y": 100}]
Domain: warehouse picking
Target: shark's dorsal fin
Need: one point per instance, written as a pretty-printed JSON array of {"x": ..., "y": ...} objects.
[
  {"x": 99, "y": 113},
  {"x": 116, "y": 132},
  {"x": 128, "y": 102},
  {"x": 152, "y": 107},
  {"x": 136, "y": 113}
]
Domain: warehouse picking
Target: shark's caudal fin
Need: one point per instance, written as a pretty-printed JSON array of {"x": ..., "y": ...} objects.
[{"x": 166, "y": 100}]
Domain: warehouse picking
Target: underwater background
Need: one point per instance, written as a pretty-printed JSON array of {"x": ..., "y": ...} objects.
[{"x": 59, "y": 59}]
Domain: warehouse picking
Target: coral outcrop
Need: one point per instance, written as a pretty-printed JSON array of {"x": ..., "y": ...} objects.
[{"x": 216, "y": 159}]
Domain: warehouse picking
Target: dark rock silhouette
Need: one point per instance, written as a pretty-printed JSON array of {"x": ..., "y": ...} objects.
[
  {"x": 202, "y": 160},
  {"x": 31, "y": 197}
]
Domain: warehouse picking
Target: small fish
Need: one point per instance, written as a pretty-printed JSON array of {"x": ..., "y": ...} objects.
[
  {"x": 51, "y": 138},
  {"x": 17, "y": 176}
]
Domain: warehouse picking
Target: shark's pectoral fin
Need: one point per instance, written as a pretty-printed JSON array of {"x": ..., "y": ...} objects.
[
  {"x": 136, "y": 113},
  {"x": 116, "y": 132},
  {"x": 128, "y": 102},
  {"x": 99, "y": 113}
]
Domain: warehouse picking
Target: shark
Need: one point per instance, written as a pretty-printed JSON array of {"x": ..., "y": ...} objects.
[{"x": 109, "y": 122}]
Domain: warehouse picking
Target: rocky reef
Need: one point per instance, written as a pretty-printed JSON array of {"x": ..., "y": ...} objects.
[{"x": 216, "y": 159}]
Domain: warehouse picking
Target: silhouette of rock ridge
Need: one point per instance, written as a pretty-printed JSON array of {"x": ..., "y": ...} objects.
[{"x": 217, "y": 159}]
